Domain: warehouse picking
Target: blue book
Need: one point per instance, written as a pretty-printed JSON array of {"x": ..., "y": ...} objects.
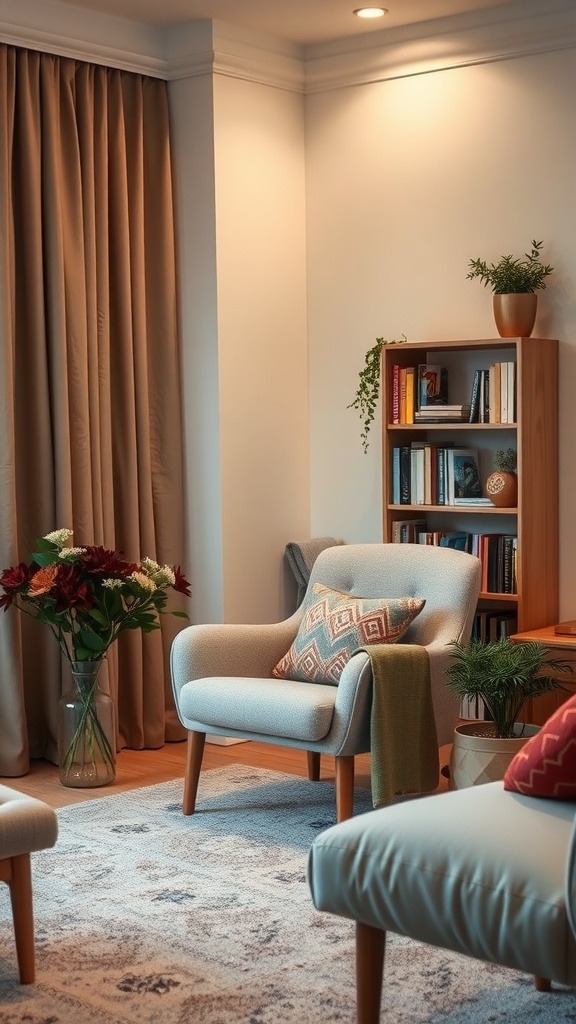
[{"x": 396, "y": 476}]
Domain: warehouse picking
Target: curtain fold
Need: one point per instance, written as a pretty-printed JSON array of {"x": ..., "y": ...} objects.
[{"x": 90, "y": 403}]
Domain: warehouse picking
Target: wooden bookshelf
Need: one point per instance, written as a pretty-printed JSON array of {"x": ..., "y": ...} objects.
[{"x": 534, "y": 435}]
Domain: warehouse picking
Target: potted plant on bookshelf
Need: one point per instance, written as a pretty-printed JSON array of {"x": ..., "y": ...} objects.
[
  {"x": 502, "y": 484},
  {"x": 368, "y": 390},
  {"x": 514, "y": 282},
  {"x": 502, "y": 676}
]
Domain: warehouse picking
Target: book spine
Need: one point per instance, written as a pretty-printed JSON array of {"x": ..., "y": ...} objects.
[
  {"x": 475, "y": 398},
  {"x": 410, "y": 374},
  {"x": 395, "y": 393},
  {"x": 441, "y": 473},
  {"x": 396, "y": 476},
  {"x": 402, "y": 410},
  {"x": 405, "y": 490}
]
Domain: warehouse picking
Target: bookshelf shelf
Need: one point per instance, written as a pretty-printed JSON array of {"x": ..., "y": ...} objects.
[{"x": 534, "y": 434}]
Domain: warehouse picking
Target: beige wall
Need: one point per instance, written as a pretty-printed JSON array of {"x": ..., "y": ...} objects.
[
  {"x": 239, "y": 159},
  {"x": 406, "y": 180}
]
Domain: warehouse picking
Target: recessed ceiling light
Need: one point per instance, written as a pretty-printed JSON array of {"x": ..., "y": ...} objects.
[{"x": 370, "y": 12}]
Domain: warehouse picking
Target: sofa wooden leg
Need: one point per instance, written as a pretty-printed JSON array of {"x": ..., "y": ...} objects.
[
  {"x": 20, "y": 884},
  {"x": 313, "y": 759},
  {"x": 542, "y": 984},
  {"x": 370, "y": 946},
  {"x": 194, "y": 752},
  {"x": 344, "y": 787}
]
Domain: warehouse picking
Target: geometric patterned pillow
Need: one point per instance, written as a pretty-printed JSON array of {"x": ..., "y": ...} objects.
[
  {"x": 334, "y": 625},
  {"x": 546, "y": 764}
]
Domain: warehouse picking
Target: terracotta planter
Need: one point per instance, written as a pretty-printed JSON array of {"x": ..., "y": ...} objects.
[
  {"x": 502, "y": 488},
  {"x": 515, "y": 314},
  {"x": 479, "y": 757}
]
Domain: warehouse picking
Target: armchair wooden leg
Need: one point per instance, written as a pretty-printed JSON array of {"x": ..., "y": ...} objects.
[
  {"x": 542, "y": 984},
  {"x": 20, "y": 884},
  {"x": 370, "y": 947},
  {"x": 194, "y": 752},
  {"x": 344, "y": 787},
  {"x": 313, "y": 759}
]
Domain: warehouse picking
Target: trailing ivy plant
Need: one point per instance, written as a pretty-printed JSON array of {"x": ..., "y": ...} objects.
[
  {"x": 368, "y": 390},
  {"x": 512, "y": 275}
]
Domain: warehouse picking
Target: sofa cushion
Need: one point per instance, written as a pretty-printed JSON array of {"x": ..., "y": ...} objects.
[
  {"x": 546, "y": 764},
  {"x": 334, "y": 625}
]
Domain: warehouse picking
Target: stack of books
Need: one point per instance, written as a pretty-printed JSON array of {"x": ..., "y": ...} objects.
[{"x": 442, "y": 414}]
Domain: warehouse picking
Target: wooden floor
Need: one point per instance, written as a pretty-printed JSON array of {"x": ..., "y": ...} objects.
[{"x": 136, "y": 768}]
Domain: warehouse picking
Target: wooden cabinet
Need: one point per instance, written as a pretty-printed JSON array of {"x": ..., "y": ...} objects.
[
  {"x": 562, "y": 647},
  {"x": 534, "y": 435}
]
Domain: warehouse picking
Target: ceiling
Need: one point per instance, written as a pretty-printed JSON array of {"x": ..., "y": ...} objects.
[{"x": 298, "y": 21}]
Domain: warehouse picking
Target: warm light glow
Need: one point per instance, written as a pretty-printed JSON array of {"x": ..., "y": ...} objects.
[{"x": 370, "y": 12}]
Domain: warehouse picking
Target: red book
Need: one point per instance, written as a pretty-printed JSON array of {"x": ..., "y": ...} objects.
[{"x": 395, "y": 393}]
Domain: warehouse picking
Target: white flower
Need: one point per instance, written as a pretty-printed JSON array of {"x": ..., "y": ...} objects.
[
  {"x": 143, "y": 581},
  {"x": 112, "y": 584},
  {"x": 70, "y": 554},
  {"x": 58, "y": 537},
  {"x": 162, "y": 575}
]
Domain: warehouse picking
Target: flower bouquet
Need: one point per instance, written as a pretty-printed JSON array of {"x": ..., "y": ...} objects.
[{"x": 88, "y": 596}]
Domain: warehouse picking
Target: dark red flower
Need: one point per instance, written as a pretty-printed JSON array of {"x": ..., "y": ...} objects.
[
  {"x": 16, "y": 577},
  {"x": 101, "y": 562},
  {"x": 181, "y": 584},
  {"x": 70, "y": 590}
]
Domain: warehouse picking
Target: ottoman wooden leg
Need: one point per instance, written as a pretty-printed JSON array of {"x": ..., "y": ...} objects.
[
  {"x": 370, "y": 945},
  {"x": 542, "y": 984},
  {"x": 20, "y": 885}
]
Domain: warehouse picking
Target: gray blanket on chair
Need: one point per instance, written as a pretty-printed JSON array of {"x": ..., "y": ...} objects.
[{"x": 301, "y": 556}]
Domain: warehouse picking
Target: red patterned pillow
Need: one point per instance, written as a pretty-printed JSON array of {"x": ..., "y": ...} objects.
[
  {"x": 546, "y": 764},
  {"x": 334, "y": 625}
]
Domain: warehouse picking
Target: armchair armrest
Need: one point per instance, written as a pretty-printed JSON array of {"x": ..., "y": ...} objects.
[
  {"x": 225, "y": 649},
  {"x": 570, "y": 881}
]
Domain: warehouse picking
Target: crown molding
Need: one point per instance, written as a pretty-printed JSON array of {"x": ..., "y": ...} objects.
[
  {"x": 234, "y": 53},
  {"x": 212, "y": 47},
  {"x": 439, "y": 45}
]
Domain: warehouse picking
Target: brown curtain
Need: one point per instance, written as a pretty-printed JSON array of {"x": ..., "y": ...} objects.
[{"x": 90, "y": 412}]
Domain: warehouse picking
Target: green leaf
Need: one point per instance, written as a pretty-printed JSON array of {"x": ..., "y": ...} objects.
[{"x": 92, "y": 641}]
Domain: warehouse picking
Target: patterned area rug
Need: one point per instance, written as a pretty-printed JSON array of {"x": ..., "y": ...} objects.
[{"x": 144, "y": 916}]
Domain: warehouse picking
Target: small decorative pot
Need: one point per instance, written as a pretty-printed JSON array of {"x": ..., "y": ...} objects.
[
  {"x": 515, "y": 314},
  {"x": 478, "y": 756},
  {"x": 502, "y": 488}
]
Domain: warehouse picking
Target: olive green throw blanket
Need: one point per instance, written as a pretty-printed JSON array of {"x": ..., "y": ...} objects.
[{"x": 404, "y": 744}]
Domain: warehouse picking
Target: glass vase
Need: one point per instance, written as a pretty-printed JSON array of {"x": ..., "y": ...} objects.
[{"x": 86, "y": 730}]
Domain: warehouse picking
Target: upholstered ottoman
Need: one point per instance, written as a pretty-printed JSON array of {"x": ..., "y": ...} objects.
[
  {"x": 480, "y": 871},
  {"x": 26, "y": 825}
]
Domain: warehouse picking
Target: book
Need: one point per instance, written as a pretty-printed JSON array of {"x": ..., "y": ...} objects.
[
  {"x": 432, "y": 385},
  {"x": 402, "y": 385},
  {"x": 396, "y": 475},
  {"x": 475, "y": 398},
  {"x": 473, "y": 501},
  {"x": 410, "y": 380},
  {"x": 405, "y": 531},
  {"x": 566, "y": 628},
  {"x": 455, "y": 539},
  {"x": 395, "y": 393},
  {"x": 405, "y": 490},
  {"x": 463, "y": 475}
]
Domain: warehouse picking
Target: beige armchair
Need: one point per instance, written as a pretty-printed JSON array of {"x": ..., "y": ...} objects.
[{"x": 222, "y": 674}]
